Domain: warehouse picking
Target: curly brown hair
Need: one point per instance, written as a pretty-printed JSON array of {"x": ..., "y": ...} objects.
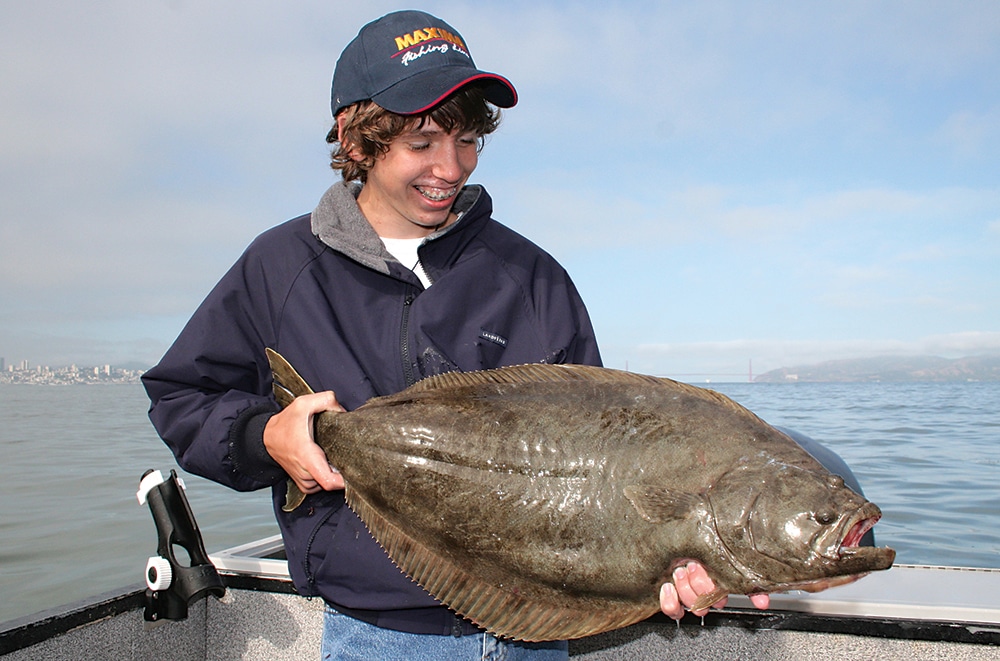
[{"x": 370, "y": 129}]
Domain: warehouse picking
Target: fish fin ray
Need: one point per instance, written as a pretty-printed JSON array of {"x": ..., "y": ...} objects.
[
  {"x": 500, "y": 611},
  {"x": 658, "y": 504},
  {"x": 531, "y": 373},
  {"x": 709, "y": 599},
  {"x": 287, "y": 383}
]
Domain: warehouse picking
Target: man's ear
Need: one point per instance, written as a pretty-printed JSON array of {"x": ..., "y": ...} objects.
[{"x": 352, "y": 151}]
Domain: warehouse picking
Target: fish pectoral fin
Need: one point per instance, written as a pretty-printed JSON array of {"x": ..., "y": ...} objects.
[
  {"x": 659, "y": 504},
  {"x": 287, "y": 384}
]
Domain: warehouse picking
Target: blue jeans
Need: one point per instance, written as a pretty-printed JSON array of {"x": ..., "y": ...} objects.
[{"x": 348, "y": 639}]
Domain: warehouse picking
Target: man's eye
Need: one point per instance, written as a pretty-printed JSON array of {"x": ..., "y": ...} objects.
[{"x": 419, "y": 146}]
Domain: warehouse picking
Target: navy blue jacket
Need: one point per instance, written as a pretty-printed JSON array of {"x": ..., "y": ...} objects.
[{"x": 322, "y": 291}]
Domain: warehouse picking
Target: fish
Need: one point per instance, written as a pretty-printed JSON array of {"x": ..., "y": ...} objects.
[{"x": 550, "y": 502}]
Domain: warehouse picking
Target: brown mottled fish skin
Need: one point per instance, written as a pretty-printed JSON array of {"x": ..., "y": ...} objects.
[{"x": 548, "y": 502}]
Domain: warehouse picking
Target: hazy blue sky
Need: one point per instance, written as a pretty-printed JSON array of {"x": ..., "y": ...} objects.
[{"x": 781, "y": 182}]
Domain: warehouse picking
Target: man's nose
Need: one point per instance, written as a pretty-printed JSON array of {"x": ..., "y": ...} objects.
[{"x": 448, "y": 163}]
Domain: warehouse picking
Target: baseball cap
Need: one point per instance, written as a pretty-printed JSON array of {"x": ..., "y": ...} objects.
[{"x": 407, "y": 62}]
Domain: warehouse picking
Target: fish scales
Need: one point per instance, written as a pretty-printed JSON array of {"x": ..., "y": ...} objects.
[{"x": 546, "y": 502}]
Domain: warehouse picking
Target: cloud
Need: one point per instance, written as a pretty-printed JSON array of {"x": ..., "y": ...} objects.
[
  {"x": 143, "y": 145},
  {"x": 971, "y": 133},
  {"x": 717, "y": 170},
  {"x": 655, "y": 213}
]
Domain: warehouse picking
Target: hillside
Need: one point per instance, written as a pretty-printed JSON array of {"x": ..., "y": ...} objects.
[{"x": 891, "y": 368}]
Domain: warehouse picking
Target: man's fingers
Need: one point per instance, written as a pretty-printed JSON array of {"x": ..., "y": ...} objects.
[
  {"x": 689, "y": 583},
  {"x": 682, "y": 584},
  {"x": 692, "y": 581},
  {"x": 698, "y": 577},
  {"x": 317, "y": 402},
  {"x": 320, "y": 472},
  {"x": 328, "y": 477},
  {"x": 669, "y": 602},
  {"x": 326, "y": 401},
  {"x": 702, "y": 583}
]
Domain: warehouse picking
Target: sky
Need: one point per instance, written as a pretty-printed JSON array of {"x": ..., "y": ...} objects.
[{"x": 732, "y": 186}]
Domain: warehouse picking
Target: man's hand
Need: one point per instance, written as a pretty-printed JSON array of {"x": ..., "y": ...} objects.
[
  {"x": 690, "y": 582},
  {"x": 288, "y": 438}
]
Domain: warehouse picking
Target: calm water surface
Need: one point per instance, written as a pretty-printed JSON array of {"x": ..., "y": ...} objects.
[
  {"x": 70, "y": 524},
  {"x": 72, "y": 456},
  {"x": 927, "y": 453}
]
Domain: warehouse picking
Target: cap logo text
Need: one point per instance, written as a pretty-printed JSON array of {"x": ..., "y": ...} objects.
[{"x": 429, "y": 34}]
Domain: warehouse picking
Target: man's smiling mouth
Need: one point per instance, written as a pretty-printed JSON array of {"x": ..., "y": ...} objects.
[{"x": 437, "y": 194}]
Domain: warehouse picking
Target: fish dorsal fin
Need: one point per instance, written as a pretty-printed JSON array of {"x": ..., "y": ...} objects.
[
  {"x": 567, "y": 373},
  {"x": 533, "y": 373},
  {"x": 659, "y": 504},
  {"x": 287, "y": 384},
  {"x": 503, "y": 612}
]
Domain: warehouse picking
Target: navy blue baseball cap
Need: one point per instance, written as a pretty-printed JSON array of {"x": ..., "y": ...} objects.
[{"x": 409, "y": 61}]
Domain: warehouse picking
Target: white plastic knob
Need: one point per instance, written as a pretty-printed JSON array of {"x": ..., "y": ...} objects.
[
  {"x": 151, "y": 481},
  {"x": 158, "y": 573},
  {"x": 148, "y": 483}
]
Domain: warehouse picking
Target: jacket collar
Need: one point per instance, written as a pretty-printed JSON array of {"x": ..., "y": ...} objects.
[{"x": 338, "y": 222}]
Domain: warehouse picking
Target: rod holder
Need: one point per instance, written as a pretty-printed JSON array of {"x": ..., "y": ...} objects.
[{"x": 172, "y": 585}]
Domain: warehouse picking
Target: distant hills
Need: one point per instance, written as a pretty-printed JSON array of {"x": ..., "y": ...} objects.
[{"x": 890, "y": 368}]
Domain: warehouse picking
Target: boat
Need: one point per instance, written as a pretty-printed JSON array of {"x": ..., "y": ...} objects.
[
  {"x": 241, "y": 604},
  {"x": 907, "y": 612}
]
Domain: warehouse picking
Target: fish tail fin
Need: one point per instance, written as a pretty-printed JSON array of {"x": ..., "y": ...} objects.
[
  {"x": 293, "y": 497},
  {"x": 287, "y": 384}
]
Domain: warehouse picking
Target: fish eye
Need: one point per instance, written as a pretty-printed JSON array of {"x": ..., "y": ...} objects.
[{"x": 825, "y": 517}]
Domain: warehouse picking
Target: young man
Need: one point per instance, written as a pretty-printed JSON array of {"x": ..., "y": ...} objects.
[{"x": 399, "y": 274}]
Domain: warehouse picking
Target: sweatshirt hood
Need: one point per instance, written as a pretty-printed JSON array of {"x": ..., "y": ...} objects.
[{"x": 338, "y": 222}]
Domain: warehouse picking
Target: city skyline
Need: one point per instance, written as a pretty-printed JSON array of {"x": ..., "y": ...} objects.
[
  {"x": 25, "y": 373},
  {"x": 25, "y": 365}
]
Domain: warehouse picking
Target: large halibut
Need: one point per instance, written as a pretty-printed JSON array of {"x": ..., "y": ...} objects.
[{"x": 547, "y": 502}]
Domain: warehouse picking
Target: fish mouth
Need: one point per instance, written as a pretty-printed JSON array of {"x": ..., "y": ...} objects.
[
  {"x": 863, "y": 558},
  {"x": 860, "y": 523}
]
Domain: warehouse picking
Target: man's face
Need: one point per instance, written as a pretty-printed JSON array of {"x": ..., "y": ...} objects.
[{"x": 411, "y": 188}]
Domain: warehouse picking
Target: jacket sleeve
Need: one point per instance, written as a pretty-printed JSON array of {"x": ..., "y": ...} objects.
[
  {"x": 210, "y": 393},
  {"x": 583, "y": 349},
  {"x": 564, "y": 323}
]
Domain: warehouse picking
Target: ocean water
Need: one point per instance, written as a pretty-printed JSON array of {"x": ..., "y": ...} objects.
[
  {"x": 72, "y": 456},
  {"x": 71, "y": 527}
]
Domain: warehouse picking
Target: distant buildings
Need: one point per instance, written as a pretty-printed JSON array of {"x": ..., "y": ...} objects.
[{"x": 23, "y": 373}]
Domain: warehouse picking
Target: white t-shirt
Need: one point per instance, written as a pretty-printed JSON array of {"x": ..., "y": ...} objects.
[{"x": 405, "y": 252}]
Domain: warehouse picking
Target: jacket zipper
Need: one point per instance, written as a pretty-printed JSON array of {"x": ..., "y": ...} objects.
[{"x": 405, "y": 341}]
